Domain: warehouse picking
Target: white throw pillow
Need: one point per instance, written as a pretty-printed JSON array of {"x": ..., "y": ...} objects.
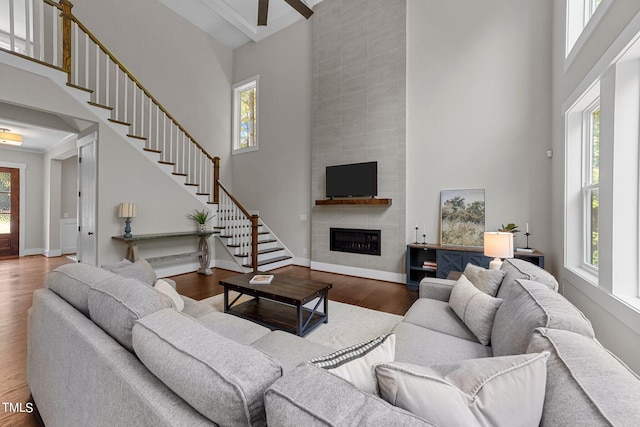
[
  {"x": 475, "y": 308},
  {"x": 356, "y": 363},
  {"x": 166, "y": 288},
  {"x": 493, "y": 391},
  {"x": 487, "y": 280}
]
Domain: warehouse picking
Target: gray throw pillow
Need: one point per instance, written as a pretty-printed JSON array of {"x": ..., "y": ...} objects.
[
  {"x": 140, "y": 270},
  {"x": 500, "y": 391},
  {"x": 488, "y": 281},
  {"x": 475, "y": 308}
]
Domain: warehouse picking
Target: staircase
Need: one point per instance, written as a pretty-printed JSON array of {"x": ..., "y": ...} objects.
[{"x": 98, "y": 79}]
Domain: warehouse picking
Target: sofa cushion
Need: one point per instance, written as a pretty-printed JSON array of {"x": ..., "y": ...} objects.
[
  {"x": 530, "y": 305},
  {"x": 238, "y": 329},
  {"x": 310, "y": 396},
  {"x": 519, "y": 269},
  {"x": 72, "y": 283},
  {"x": 475, "y": 308},
  {"x": 422, "y": 346},
  {"x": 355, "y": 364},
  {"x": 288, "y": 349},
  {"x": 219, "y": 377},
  {"x": 140, "y": 270},
  {"x": 488, "y": 281},
  {"x": 438, "y": 316},
  {"x": 505, "y": 390},
  {"x": 586, "y": 385},
  {"x": 196, "y": 308},
  {"x": 116, "y": 303},
  {"x": 165, "y": 287}
]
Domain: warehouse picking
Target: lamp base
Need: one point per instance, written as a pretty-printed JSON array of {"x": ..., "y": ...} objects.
[
  {"x": 127, "y": 229},
  {"x": 495, "y": 264}
]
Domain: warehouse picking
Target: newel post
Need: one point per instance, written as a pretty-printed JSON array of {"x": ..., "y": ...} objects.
[
  {"x": 216, "y": 177},
  {"x": 66, "y": 36},
  {"x": 254, "y": 241}
]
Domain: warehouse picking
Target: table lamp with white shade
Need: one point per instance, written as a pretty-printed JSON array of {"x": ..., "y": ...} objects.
[
  {"x": 127, "y": 210},
  {"x": 499, "y": 245}
]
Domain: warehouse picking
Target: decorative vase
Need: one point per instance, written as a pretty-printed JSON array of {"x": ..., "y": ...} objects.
[{"x": 202, "y": 228}]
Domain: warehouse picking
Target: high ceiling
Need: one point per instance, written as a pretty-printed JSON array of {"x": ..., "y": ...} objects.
[{"x": 234, "y": 22}]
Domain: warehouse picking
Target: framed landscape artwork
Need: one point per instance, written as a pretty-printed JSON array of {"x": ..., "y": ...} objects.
[{"x": 462, "y": 218}]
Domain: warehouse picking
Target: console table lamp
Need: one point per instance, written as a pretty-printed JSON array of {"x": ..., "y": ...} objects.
[
  {"x": 127, "y": 210},
  {"x": 498, "y": 245}
]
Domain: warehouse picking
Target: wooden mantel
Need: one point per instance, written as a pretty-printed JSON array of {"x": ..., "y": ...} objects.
[{"x": 370, "y": 201}]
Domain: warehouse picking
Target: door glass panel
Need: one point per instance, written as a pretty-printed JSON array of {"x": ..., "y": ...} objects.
[{"x": 5, "y": 203}]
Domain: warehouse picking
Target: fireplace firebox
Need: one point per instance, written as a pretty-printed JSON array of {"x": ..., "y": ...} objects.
[{"x": 353, "y": 240}]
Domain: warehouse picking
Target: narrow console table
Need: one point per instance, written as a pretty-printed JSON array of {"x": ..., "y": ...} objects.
[
  {"x": 203, "y": 253},
  {"x": 431, "y": 260}
]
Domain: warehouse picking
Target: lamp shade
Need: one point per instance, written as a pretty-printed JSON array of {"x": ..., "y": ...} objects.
[
  {"x": 127, "y": 210},
  {"x": 499, "y": 245}
]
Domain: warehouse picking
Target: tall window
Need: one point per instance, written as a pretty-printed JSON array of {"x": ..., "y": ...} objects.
[
  {"x": 582, "y": 18},
  {"x": 591, "y": 188},
  {"x": 245, "y": 115}
]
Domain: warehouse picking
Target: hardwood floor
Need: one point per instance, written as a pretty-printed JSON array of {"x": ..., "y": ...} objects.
[{"x": 20, "y": 277}]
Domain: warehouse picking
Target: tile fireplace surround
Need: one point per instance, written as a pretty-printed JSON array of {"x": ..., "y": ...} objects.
[{"x": 359, "y": 111}]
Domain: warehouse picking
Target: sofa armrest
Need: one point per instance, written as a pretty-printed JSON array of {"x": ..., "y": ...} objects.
[
  {"x": 294, "y": 400},
  {"x": 434, "y": 288}
]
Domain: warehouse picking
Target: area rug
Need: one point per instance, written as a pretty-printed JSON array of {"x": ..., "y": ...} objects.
[{"x": 348, "y": 324}]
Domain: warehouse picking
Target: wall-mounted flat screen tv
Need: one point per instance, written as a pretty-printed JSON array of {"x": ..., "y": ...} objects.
[{"x": 353, "y": 180}]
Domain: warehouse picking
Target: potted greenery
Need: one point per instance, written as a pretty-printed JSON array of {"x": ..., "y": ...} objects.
[
  {"x": 201, "y": 218},
  {"x": 509, "y": 228}
]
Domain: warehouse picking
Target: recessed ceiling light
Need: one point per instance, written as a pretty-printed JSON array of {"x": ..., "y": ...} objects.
[{"x": 6, "y": 137}]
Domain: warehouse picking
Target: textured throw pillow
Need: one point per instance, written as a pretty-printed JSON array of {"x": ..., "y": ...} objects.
[
  {"x": 488, "y": 281},
  {"x": 166, "y": 288},
  {"x": 475, "y": 308},
  {"x": 498, "y": 391},
  {"x": 355, "y": 364},
  {"x": 140, "y": 270}
]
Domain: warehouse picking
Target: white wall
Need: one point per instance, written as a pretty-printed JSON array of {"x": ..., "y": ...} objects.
[
  {"x": 276, "y": 179},
  {"x": 186, "y": 70},
  {"x": 478, "y": 104},
  {"x": 604, "y": 311},
  {"x": 69, "y": 185}
]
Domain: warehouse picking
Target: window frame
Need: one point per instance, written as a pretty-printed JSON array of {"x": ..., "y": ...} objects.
[
  {"x": 588, "y": 186},
  {"x": 237, "y": 89}
]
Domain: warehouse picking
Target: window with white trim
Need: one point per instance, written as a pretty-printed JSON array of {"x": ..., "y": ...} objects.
[
  {"x": 245, "y": 116},
  {"x": 582, "y": 17},
  {"x": 591, "y": 186}
]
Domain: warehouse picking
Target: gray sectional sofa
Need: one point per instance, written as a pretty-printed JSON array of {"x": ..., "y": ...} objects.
[{"x": 104, "y": 349}]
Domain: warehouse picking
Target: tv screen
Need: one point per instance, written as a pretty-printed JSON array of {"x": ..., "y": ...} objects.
[{"x": 354, "y": 180}]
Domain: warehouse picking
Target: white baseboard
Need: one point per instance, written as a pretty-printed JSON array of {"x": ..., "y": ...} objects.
[
  {"x": 174, "y": 270},
  {"x": 303, "y": 262},
  {"x": 30, "y": 252},
  {"x": 227, "y": 265},
  {"x": 367, "y": 273},
  {"x": 52, "y": 253}
]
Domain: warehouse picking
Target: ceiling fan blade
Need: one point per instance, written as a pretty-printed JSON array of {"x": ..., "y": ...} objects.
[
  {"x": 263, "y": 11},
  {"x": 302, "y": 8}
]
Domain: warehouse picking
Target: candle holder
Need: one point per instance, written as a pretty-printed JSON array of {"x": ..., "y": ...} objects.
[
  {"x": 416, "y": 242},
  {"x": 527, "y": 234},
  {"x": 424, "y": 239}
]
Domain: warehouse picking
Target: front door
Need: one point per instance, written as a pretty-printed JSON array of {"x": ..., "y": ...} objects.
[{"x": 9, "y": 212}]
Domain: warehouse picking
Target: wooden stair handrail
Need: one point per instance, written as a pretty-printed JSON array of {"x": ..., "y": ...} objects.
[{"x": 122, "y": 67}]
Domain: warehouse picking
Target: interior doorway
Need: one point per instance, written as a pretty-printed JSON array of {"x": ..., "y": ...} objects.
[{"x": 9, "y": 212}]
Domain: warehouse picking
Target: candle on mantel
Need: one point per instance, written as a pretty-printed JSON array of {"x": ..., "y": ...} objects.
[
  {"x": 526, "y": 227},
  {"x": 424, "y": 228}
]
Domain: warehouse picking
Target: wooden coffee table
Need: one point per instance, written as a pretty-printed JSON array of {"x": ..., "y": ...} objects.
[{"x": 280, "y": 304}]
